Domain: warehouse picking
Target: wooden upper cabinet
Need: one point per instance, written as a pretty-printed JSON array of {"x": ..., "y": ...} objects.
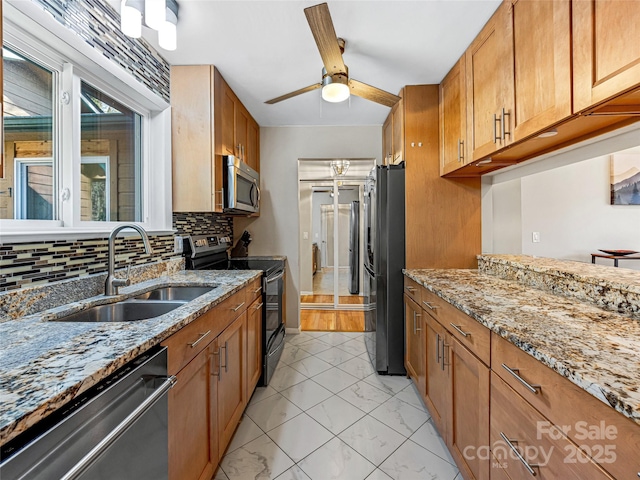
[
  {"x": 208, "y": 121},
  {"x": 542, "y": 64},
  {"x": 606, "y": 50},
  {"x": 193, "y": 170},
  {"x": 489, "y": 71},
  {"x": 387, "y": 140},
  {"x": 252, "y": 153},
  {"x": 453, "y": 119},
  {"x": 398, "y": 132}
]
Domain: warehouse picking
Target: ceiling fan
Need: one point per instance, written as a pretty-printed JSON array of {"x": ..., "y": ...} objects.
[{"x": 336, "y": 84}]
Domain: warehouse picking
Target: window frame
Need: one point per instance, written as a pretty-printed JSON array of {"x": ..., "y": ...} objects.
[{"x": 32, "y": 32}]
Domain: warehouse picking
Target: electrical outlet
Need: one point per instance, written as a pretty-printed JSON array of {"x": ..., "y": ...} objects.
[
  {"x": 305, "y": 235},
  {"x": 535, "y": 237},
  {"x": 177, "y": 244}
]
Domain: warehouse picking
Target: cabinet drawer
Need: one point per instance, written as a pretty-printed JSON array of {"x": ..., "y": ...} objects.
[
  {"x": 232, "y": 307},
  {"x": 254, "y": 290},
  {"x": 548, "y": 455},
  {"x": 184, "y": 345},
  {"x": 412, "y": 289},
  {"x": 470, "y": 333},
  {"x": 567, "y": 405}
]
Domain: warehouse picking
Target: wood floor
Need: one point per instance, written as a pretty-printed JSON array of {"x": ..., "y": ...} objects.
[
  {"x": 332, "y": 320},
  {"x": 345, "y": 300}
]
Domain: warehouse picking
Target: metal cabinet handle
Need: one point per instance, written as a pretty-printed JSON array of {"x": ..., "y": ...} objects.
[
  {"x": 459, "y": 330},
  {"x": 461, "y": 150},
  {"x": 226, "y": 357},
  {"x": 259, "y": 306},
  {"x": 202, "y": 335},
  {"x": 437, "y": 348},
  {"x": 410, "y": 289},
  {"x": 90, "y": 458},
  {"x": 238, "y": 307},
  {"x": 520, "y": 457},
  {"x": 503, "y": 124},
  {"x": 257, "y": 290},
  {"x": 429, "y": 306},
  {"x": 415, "y": 328},
  {"x": 515, "y": 372},
  {"x": 495, "y": 129},
  {"x": 219, "y": 354},
  {"x": 444, "y": 345}
]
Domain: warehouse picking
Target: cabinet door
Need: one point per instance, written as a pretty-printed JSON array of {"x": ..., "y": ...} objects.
[
  {"x": 193, "y": 448},
  {"x": 231, "y": 386},
  {"x": 254, "y": 345},
  {"x": 437, "y": 375},
  {"x": 241, "y": 125},
  {"x": 387, "y": 140},
  {"x": 542, "y": 60},
  {"x": 415, "y": 361},
  {"x": 398, "y": 132},
  {"x": 489, "y": 70},
  {"x": 468, "y": 423},
  {"x": 606, "y": 50},
  {"x": 253, "y": 145},
  {"x": 453, "y": 120},
  {"x": 225, "y": 117},
  {"x": 191, "y": 140}
]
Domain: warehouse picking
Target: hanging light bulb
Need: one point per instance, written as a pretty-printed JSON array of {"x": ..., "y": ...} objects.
[
  {"x": 167, "y": 36},
  {"x": 155, "y": 13},
  {"x": 130, "y": 20}
]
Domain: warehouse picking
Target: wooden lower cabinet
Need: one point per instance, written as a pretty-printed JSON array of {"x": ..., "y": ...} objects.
[
  {"x": 231, "y": 387},
  {"x": 193, "y": 445},
  {"x": 254, "y": 345},
  {"x": 468, "y": 422},
  {"x": 438, "y": 375},
  {"x": 415, "y": 362}
]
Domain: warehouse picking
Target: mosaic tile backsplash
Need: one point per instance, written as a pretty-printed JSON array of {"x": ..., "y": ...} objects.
[
  {"x": 37, "y": 263},
  {"x": 98, "y": 24},
  {"x": 202, "y": 224}
]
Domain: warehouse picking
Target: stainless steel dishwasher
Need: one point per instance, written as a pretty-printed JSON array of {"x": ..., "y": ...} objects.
[{"x": 115, "y": 430}]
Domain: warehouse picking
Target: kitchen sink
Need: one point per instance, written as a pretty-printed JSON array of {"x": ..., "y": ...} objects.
[
  {"x": 185, "y": 294},
  {"x": 127, "y": 311}
]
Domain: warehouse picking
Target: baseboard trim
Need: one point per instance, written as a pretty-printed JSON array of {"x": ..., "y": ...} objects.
[
  {"x": 306, "y": 293},
  {"x": 292, "y": 331}
]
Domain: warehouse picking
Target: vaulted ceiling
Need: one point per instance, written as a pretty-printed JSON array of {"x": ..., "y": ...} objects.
[{"x": 265, "y": 49}]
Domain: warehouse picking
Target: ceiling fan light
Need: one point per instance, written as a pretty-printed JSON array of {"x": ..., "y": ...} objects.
[
  {"x": 167, "y": 36},
  {"x": 335, "y": 92},
  {"x": 130, "y": 20}
]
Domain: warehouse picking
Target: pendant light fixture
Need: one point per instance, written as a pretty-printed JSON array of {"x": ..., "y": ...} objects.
[
  {"x": 340, "y": 167},
  {"x": 159, "y": 15}
]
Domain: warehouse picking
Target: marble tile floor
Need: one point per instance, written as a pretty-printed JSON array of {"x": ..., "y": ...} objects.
[{"x": 326, "y": 415}]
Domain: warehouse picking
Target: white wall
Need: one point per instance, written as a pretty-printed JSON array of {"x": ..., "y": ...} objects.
[
  {"x": 276, "y": 231},
  {"x": 569, "y": 206}
]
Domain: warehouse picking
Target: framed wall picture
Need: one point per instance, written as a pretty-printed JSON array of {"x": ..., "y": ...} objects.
[{"x": 625, "y": 179}]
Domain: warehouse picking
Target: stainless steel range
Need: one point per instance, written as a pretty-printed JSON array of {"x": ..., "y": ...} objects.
[{"x": 209, "y": 252}]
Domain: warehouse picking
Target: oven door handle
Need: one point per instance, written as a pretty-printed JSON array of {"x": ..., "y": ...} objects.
[
  {"x": 273, "y": 352},
  {"x": 277, "y": 277},
  {"x": 88, "y": 460}
]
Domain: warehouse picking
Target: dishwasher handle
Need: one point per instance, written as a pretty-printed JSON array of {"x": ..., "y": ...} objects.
[{"x": 88, "y": 460}]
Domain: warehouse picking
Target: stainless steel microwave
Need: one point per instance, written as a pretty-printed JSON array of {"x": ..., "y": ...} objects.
[{"x": 241, "y": 192}]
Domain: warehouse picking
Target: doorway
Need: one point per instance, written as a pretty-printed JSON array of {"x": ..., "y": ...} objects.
[{"x": 331, "y": 244}]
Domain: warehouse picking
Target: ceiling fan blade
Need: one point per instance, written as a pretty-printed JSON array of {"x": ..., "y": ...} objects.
[
  {"x": 321, "y": 26},
  {"x": 315, "y": 86},
  {"x": 372, "y": 93}
]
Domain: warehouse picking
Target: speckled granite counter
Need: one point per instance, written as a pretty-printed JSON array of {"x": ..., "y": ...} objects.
[
  {"x": 616, "y": 289},
  {"x": 45, "y": 364},
  {"x": 596, "y": 349}
]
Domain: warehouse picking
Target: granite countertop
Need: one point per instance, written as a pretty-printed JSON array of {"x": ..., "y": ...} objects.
[
  {"x": 596, "y": 349},
  {"x": 45, "y": 364}
]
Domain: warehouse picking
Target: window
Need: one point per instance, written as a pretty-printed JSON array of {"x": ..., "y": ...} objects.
[
  {"x": 86, "y": 144},
  {"x": 29, "y": 178}
]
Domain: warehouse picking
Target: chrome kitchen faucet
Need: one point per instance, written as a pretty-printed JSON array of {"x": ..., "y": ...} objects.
[{"x": 112, "y": 283}]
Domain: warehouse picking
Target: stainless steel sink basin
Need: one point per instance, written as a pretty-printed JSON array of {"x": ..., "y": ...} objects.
[
  {"x": 122, "y": 312},
  {"x": 185, "y": 294}
]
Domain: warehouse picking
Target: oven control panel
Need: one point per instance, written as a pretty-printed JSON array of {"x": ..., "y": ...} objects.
[{"x": 206, "y": 243}]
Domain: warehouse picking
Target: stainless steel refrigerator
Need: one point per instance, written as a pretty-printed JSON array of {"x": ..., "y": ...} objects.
[
  {"x": 384, "y": 261},
  {"x": 354, "y": 250}
]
